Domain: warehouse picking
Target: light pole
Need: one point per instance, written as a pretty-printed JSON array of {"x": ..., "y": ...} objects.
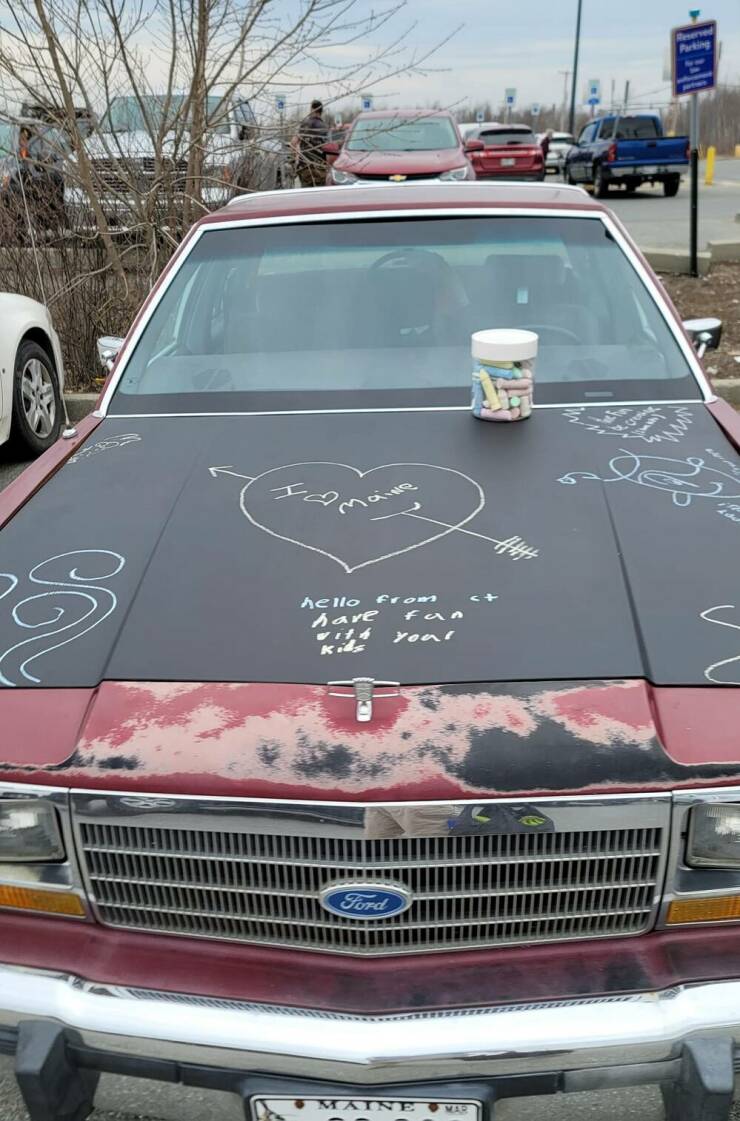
[
  {"x": 566, "y": 75},
  {"x": 572, "y": 119}
]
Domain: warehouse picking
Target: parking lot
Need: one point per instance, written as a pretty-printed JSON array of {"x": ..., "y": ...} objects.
[{"x": 658, "y": 222}]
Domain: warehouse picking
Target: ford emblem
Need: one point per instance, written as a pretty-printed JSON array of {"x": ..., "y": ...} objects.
[{"x": 365, "y": 901}]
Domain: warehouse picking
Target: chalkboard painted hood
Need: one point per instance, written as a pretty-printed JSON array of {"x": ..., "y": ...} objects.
[
  {"x": 411, "y": 547},
  {"x": 526, "y": 582}
]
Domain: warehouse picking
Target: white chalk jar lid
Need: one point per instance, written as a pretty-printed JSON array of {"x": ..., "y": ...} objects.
[{"x": 504, "y": 345}]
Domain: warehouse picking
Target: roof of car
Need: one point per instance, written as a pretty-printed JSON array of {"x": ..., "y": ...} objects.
[
  {"x": 301, "y": 203},
  {"x": 385, "y": 113}
]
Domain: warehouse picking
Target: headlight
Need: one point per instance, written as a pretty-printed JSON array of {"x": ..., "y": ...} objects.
[
  {"x": 456, "y": 173},
  {"x": 714, "y": 837},
  {"x": 29, "y": 831},
  {"x": 344, "y": 177}
]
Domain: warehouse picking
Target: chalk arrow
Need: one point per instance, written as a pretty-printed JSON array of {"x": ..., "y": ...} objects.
[{"x": 214, "y": 471}]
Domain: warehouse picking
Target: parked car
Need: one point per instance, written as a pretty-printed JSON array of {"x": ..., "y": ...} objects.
[
  {"x": 400, "y": 146},
  {"x": 31, "y": 377},
  {"x": 470, "y": 129},
  {"x": 627, "y": 151},
  {"x": 123, "y": 156},
  {"x": 508, "y": 152},
  {"x": 32, "y": 178},
  {"x": 354, "y": 749},
  {"x": 560, "y": 145}
]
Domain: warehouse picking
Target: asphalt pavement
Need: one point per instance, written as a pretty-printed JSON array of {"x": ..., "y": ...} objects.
[
  {"x": 656, "y": 222},
  {"x": 165, "y": 1102},
  {"x": 10, "y": 466}
]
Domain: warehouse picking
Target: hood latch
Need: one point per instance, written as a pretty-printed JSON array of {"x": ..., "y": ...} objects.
[{"x": 363, "y": 690}]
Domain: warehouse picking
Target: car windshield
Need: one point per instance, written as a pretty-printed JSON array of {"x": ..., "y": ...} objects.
[
  {"x": 562, "y": 138},
  {"x": 398, "y": 134},
  {"x": 631, "y": 128},
  {"x": 507, "y": 136},
  {"x": 343, "y": 314},
  {"x": 130, "y": 114}
]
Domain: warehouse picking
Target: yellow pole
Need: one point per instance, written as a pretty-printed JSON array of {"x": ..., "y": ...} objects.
[
  {"x": 709, "y": 175},
  {"x": 737, "y": 151}
]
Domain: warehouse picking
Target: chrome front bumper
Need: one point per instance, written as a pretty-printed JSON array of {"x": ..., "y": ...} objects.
[{"x": 594, "y": 1043}]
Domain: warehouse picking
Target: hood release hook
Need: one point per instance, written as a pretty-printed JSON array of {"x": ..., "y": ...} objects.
[{"x": 364, "y": 693}]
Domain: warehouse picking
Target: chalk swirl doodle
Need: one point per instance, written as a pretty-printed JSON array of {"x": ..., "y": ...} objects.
[
  {"x": 105, "y": 445},
  {"x": 711, "y": 671},
  {"x": 683, "y": 479},
  {"x": 75, "y": 605},
  {"x": 653, "y": 424}
]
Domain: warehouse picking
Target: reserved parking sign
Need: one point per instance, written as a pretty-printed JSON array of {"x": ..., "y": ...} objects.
[{"x": 694, "y": 55}]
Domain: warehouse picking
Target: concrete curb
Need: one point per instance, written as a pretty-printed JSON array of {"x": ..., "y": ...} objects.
[
  {"x": 728, "y": 389},
  {"x": 728, "y": 250},
  {"x": 80, "y": 404},
  {"x": 676, "y": 261}
]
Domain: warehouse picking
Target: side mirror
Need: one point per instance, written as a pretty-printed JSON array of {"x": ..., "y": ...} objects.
[
  {"x": 331, "y": 148},
  {"x": 474, "y": 146},
  {"x": 705, "y": 334},
  {"x": 108, "y": 348}
]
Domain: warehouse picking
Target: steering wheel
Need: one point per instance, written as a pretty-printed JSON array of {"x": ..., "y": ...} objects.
[
  {"x": 553, "y": 328},
  {"x": 407, "y": 258}
]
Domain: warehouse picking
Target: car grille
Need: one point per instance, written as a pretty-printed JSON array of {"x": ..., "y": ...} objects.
[
  {"x": 126, "y": 174},
  {"x": 408, "y": 178},
  {"x": 468, "y": 891}
]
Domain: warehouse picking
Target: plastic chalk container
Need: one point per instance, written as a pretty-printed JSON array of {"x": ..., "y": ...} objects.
[{"x": 503, "y": 374}]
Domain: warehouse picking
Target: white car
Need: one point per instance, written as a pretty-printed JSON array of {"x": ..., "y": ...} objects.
[
  {"x": 31, "y": 375},
  {"x": 560, "y": 144}
]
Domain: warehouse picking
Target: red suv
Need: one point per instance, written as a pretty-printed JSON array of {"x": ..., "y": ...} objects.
[
  {"x": 507, "y": 152},
  {"x": 397, "y": 146}
]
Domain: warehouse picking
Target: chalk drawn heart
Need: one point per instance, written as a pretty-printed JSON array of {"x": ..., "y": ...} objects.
[{"x": 377, "y": 514}]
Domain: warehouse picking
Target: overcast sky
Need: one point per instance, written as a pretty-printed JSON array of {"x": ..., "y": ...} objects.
[{"x": 526, "y": 43}]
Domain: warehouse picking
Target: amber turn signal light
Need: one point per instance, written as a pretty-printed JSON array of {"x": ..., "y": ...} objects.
[
  {"x": 714, "y": 909},
  {"x": 51, "y": 902}
]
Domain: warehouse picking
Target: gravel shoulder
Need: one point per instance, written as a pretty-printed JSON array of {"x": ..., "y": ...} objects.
[{"x": 716, "y": 294}]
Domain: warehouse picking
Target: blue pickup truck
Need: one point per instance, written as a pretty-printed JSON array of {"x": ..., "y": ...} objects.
[{"x": 626, "y": 151}]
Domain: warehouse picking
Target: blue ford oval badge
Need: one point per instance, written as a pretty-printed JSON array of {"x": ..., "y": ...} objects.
[{"x": 365, "y": 901}]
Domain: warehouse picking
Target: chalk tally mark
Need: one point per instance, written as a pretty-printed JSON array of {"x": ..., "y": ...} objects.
[
  {"x": 684, "y": 479},
  {"x": 712, "y": 672},
  {"x": 653, "y": 424},
  {"x": 399, "y": 506},
  {"x": 74, "y": 578},
  {"x": 105, "y": 445}
]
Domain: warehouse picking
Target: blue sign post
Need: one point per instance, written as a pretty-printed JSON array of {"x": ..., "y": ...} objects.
[{"x": 694, "y": 66}]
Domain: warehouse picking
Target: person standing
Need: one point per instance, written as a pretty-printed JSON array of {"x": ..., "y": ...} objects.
[
  {"x": 545, "y": 144},
  {"x": 310, "y": 140}
]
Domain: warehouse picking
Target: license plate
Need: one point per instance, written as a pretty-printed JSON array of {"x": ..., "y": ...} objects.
[
  {"x": 508, "y": 162},
  {"x": 363, "y": 1109}
]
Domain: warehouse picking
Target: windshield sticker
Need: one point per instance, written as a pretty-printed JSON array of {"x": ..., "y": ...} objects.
[
  {"x": 719, "y": 672},
  {"x": 344, "y": 513},
  {"x": 683, "y": 479},
  {"x": 105, "y": 445},
  {"x": 75, "y": 607},
  {"x": 654, "y": 424}
]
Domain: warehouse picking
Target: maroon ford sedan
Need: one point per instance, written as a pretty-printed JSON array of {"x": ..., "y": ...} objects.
[
  {"x": 358, "y": 758},
  {"x": 399, "y": 146}
]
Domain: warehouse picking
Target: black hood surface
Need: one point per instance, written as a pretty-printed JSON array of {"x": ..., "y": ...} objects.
[{"x": 594, "y": 543}]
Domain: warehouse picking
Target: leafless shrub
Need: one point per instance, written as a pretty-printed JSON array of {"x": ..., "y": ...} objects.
[{"x": 159, "y": 111}]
